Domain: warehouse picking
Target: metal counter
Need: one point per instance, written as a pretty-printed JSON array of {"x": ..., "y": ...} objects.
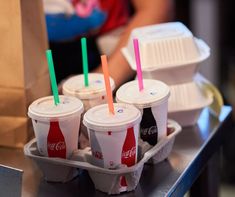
[{"x": 173, "y": 177}]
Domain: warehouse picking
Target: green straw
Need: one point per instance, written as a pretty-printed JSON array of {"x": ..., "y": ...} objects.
[
  {"x": 52, "y": 77},
  {"x": 85, "y": 61}
]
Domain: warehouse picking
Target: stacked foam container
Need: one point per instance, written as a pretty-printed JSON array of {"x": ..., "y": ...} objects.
[{"x": 169, "y": 52}]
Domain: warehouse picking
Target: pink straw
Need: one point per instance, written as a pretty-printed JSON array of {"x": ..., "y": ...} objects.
[{"x": 138, "y": 64}]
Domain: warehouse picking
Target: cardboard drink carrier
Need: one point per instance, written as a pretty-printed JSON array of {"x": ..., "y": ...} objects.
[
  {"x": 105, "y": 179},
  {"x": 24, "y": 74}
]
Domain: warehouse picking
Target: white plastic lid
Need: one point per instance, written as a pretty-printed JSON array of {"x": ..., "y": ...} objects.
[
  {"x": 98, "y": 118},
  {"x": 154, "y": 93},
  {"x": 44, "y": 108},
  {"x": 74, "y": 86}
]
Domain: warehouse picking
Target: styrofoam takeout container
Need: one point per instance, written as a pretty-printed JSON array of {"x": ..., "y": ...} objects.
[
  {"x": 179, "y": 73},
  {"x": 106, "y": 180},
  {"x": 166, "y": 50},
  {"x": 186, "y": 102}
]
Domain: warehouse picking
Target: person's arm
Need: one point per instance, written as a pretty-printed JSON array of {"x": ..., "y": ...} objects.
[{"x": 146, "y": 12}]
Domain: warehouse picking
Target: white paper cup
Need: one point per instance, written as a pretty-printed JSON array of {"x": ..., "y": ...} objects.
[
  {"x": 94, "y": 94},
  {"x": 153, "y": 103},
  {"x": 56, "y": 127},
  {"x": 113, "y": 138}
]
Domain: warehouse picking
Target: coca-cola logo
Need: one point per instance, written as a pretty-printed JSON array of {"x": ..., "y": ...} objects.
[
  {"x": 56, "y": 146},
  {"x": 129, "y": 153},
  {"x": 149, "y": 131}
]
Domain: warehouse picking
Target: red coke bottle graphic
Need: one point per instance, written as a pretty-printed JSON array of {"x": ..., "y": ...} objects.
[
  {"x": 128, "y": 151},
  {"x": 56, "y": 146}
]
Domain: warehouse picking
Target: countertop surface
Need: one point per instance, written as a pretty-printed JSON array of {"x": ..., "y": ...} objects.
[{"x": 173, "y": 177}]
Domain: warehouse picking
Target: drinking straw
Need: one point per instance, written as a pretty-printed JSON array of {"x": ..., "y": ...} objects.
[
  {"x": 138, "y": 64},
  {"x": 52, "y": 77},
  {"x": 85, "y": 61},
  {"x": 107, "y": 83}
]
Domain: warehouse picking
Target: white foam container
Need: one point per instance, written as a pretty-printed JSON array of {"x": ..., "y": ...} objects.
[
  {"x": 168, "y": 52},
  {"x": 186, "y": 102},
  {"x": 105, "y": 180},
  {"x": 180, "y": 73}
]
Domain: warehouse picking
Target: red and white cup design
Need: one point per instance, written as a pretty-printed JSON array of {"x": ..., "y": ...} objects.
[
  {"x": 152, "y": 101},
  {"x": 113, "y": 138},
  {"x": 94, "y": 94},
  {"x": 110, "y": 149},
  {"x": 56, "y": 128}
]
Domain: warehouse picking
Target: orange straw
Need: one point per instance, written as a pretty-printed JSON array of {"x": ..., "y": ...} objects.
[{"x": 107, "y": 83}]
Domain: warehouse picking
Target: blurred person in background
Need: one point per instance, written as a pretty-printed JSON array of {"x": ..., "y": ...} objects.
[{"x": 69, "y": 20}]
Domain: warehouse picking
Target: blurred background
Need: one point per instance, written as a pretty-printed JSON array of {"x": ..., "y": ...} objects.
[{"x": 213, "y": 21}]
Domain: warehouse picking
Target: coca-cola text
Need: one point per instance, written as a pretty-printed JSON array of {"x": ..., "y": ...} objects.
[
  {"x": 129, "y": 153},
  {"x": 56, "y": 146}
]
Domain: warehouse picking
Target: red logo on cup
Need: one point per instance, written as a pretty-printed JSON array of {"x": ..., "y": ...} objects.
[
  {"x": 56, "y": 146},
  {"x": 129, "y": 148},
  {"x": 128, "y": 152}
]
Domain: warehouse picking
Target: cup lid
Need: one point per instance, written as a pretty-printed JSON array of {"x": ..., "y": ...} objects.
[
  {"x": 44, "y": 108},
  {"x": 74, "y": 86},
  {"x": 155, "y": 92},
  {"x": 98, "y": 118}
]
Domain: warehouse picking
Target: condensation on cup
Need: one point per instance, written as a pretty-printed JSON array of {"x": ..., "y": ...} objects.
[
  {"x": 94, "y": 94},
  {"x": 152, "y": 102},
  {"x": 113, "y": 138},
  {"x": 56, "y": 127}
]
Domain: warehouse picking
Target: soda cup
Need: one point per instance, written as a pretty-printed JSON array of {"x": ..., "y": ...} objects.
[
  {"x": 152, "y": 102},
  {"x": 56, "y": 127},
  {"x": 113, "y": 138},
  {"x": 94, "y": 94}
]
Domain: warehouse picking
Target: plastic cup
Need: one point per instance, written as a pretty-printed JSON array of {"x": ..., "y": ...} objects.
[
  {"x": 113, "y": 138},
  {"x": 152, "y": 102},
  {"x": 94, "y": 94},
  {"x": 56, "y": 127}
]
